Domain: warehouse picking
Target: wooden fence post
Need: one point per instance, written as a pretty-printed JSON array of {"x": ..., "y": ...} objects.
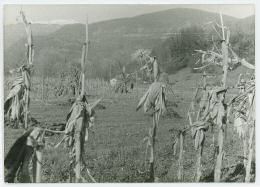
[
  {"x": 38, "y": 166},
  {"x": 152, "y": 149},
  {"x": 83, "y": 60},
  {"x": 79, "y": 140},
  {"x": 78, "y": 158},
  {"x": 198, "y": 163},
  {"x": 250, "y": 154},
  {"x": 83, "y": 68},
  {"x": 29, "y": 62},
  {"x": 218, "y": 165},
  {"x": 180, "y": 161}
]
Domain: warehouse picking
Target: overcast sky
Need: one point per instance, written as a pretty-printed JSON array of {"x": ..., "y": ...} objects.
[{"x": 77, "y": 13}]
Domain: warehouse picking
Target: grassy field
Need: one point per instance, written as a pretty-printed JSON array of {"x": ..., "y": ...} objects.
[{"x": 116, "y": 153}]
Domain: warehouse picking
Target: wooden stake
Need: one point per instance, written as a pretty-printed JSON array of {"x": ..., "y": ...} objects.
[
  {"x": 78, "y": 158},
  {"x": 79, "y": 140},
  {"x": 218, "y": 165},
  {"x": 38, "y": 166},
  {"x": 180, "y": 161},
  {"x": 71, "y": 173},
  {"x": 222, "y": 26},
  {"x": 225, "y": 63},
  {"x": 155, "y": 71},
  {"x": 250, "y": 155},
  {"x": 198, "y": 163},
  {"x": 30, "y": 62},
  {"x": 26, "y": 109},
  {"x": 34, "y": 168},
  {"x": 83, "y": 60},
  {"x": 153, "y": 137},
  {"x": 204, "y": 80},
  {"x": 37, "y": 161},
  {"x": 245, "y": 148},
  {"x": 83, "y": 68}
]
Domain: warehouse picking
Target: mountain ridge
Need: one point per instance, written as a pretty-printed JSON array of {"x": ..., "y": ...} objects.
[{"x": 111, "y": 41}]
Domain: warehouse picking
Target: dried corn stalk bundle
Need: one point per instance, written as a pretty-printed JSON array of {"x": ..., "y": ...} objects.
[
  {"x": 149, "y": 65},
  {"x": 243, "y": 108},
  {"x": 79, "y": 120},
  {"x": 212, "y": 57},
  {"x": 142, "y": 55},
  {"x": 122, "y": 82},
  {"x": 207, "y": 108},
  {"x": 153, "y": 99},
  {"x": 144, "y": 59},
  {"x": 14, "y": 105},
  {"x": 199, "y": 134},
  {"x": 212, "y": 108}
]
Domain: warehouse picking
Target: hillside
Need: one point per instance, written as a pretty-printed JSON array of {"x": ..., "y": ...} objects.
[
  {"x": 13, "y": 33},
  {"x": 111, "y": 41},
  {"x": 246, "y": 25}
]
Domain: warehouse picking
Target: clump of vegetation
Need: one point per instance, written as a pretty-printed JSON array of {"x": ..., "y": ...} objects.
[{"x": 177, "y": 52}]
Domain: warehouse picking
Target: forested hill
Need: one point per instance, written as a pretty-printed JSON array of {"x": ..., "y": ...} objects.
[{"x": 111, "y": 41}]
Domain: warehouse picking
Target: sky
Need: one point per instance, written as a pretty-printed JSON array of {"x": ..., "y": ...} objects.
[{"x": 64, "y": 14}]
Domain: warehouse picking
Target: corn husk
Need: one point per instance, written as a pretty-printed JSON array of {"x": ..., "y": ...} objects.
[
  {"x": 154, "y": 98},
  {"x": 239, "y": 126},
  {"x": 199, "y": 138},
  {"x": 211, "y": 105},
  {"x": 77, "y": 120}
]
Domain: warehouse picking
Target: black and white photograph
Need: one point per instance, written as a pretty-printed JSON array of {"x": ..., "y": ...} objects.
[{"x": 128, "y": 93}]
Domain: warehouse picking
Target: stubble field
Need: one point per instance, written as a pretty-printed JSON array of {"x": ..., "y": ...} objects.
[{"x": 115, "y": 151}]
